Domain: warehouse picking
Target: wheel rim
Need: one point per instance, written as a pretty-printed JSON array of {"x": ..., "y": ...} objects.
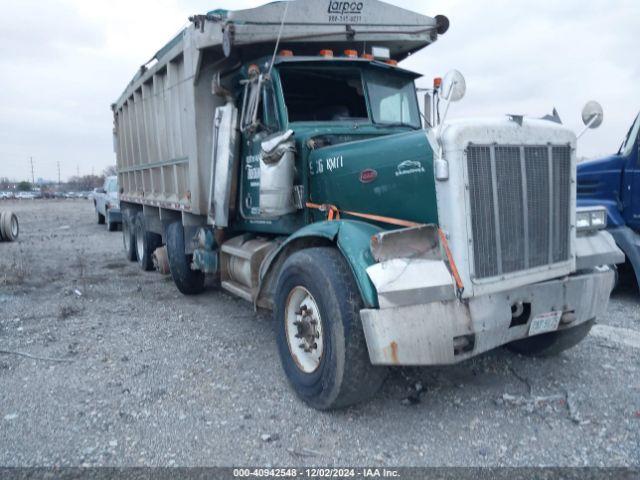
[
  {"x": 139, "y": 243},
  {"x": 14, "y": 227},
  {"x": 303, "y": 326}
]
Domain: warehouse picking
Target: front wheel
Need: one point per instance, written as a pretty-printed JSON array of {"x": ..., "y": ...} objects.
[
  {"x": 553, "y": 343},
  {"x": 320, "y": 337}
]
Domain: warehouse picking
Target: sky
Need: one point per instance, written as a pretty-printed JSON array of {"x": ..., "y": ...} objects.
[{"x": 63, "y": 62}]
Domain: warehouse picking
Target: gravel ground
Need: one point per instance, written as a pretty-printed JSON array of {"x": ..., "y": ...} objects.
[{"x": 154, "y": 378}]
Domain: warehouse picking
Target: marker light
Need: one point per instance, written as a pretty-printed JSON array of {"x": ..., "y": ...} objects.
[
  {"x": 326, "y": 53},
  {"x": 381, "y": 53},
  {"x": 253, "y": 70},
  {"x": 393, "y": 63},
  {"x": 286, "y": 53},
  {"x": 437, "y": 82},
  {"x": 367, "y": 56},
  {"x": 351, "y": 53}
]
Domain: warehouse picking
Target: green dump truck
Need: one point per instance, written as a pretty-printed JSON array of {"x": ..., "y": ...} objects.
[{"x": 282, "y": 150}]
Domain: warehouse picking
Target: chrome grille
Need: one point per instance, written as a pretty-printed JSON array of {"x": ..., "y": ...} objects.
[{"x": 520, "y": 199}]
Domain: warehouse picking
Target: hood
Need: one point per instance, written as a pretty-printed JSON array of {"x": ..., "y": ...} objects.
[
  {"x": 599, "y": 179},
  {"x": 599, "y": 183},
  {"x": 391, "y": 175}
]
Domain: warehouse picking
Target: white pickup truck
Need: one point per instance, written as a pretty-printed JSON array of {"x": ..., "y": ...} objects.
[{"x": 107, "y": 204}]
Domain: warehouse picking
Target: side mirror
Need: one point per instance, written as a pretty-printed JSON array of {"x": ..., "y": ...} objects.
[
  {"x": 453, "y": 87},
  {"x": 592, "y": 114},
  {"x": 428, "y": 107}
]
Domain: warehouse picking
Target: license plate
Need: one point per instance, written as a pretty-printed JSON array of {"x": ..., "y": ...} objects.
[{"x": 545, "y": 322}]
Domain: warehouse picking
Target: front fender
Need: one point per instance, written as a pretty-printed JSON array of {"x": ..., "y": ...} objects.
[
  {"x": 629, "y": 243},
  {"x": 353, "y": 239}
]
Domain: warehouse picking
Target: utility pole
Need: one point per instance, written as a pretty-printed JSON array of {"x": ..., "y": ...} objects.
[
  {"x": 58, "y": 173},
  {"x": 78, "y": 170},
  {"x": 33, "y": 177}
]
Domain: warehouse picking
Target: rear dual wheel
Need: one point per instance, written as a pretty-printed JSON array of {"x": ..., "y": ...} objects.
[
  {"x": 188, "y": 281},
  {"x": 128, "y": 235},
  {"x": 146, "y": 243}
]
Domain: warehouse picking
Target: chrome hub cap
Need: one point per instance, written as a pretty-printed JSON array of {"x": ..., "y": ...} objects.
[{"x": 304, "y": 330}]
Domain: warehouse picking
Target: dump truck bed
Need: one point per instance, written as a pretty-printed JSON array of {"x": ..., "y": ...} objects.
[{"x": 163, "y": 121}]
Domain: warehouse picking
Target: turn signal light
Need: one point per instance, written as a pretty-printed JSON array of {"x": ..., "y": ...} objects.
[
  {"x": 253, "y": 70},
  {"x": 286, "y": 53},
  {"x": 326, "y": 53},
  {"x": 393, "y": 63},
  {"x": 351, "y": 53}
]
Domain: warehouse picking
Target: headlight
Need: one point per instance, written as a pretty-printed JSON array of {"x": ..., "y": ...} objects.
[{"x": 591, "y": 218}]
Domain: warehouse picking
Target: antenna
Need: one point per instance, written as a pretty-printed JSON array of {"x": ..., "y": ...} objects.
[{"x": 275, "y": 50}]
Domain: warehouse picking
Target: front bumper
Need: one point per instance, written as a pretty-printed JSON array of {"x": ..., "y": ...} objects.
[{"x": 447, "y": 332}]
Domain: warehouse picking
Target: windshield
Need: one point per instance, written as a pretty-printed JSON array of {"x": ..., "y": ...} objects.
[
  {"x": 337, "y": 94},
  {"x": 112, "y": 185},
  {"x": 323, "y": 94},
  {"x": 630, "y": 141},
  {"x": 393, "y": 99}
]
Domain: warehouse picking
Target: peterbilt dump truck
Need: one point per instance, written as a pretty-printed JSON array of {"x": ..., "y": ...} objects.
[{"x": 281, "y": 150}]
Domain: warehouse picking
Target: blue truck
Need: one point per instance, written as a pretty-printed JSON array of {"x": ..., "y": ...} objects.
[{"x": 614, "y": 182}]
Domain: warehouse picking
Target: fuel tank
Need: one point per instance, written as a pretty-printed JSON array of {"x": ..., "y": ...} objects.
[{"x": 390, "y": 176}]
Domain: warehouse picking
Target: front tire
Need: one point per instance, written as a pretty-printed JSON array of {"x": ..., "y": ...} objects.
[
  {"x": 552, "y": 343},
  {"x": 320, "y": 337},
  {"x": 188, "y": 281},
  {"x": 146, "y": 243}
]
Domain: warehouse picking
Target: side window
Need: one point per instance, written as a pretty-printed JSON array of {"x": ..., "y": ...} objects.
[
  {"x": 270, "y": 109},
  {"x": 630, "y": 142},
  {"x": 394, "y": 108}
]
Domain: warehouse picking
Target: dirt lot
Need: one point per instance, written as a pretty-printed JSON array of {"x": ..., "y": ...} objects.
[{"x": 153, "y": 378}]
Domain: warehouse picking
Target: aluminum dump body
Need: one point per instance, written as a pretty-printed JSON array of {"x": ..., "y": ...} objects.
[{"x": 163, "y": 122}]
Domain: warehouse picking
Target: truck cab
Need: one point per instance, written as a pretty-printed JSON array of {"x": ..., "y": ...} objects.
[
  {"x": 614, "y": 182},
  {"x": 331, "y": 105},
  {"x": 107, "y": 205}
]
